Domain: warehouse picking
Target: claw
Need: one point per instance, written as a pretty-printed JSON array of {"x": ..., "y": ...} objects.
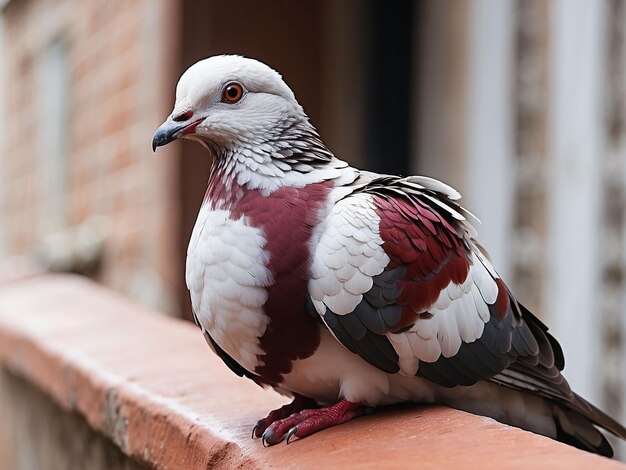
[
  {"x": 269, "y": 438},
  {"x": 291, "y": 433},
  {"x": 254, "y": 429}
]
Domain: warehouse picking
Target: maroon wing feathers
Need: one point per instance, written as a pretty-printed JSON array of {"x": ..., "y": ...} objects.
[{"x": 426, "y": 246}]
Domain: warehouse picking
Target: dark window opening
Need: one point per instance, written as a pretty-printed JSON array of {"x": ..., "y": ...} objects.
[{"x": 389, "y": 86}]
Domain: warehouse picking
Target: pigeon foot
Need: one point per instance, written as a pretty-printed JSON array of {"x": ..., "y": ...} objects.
[
  {"x": 309, "y": 421},
  {"x": 299, "y": 403}
]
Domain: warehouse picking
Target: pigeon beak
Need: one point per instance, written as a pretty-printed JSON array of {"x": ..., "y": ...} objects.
[{"x": 171, "y": 130}]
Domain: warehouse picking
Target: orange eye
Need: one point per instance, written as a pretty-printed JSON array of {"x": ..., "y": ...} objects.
[{"x": 233, "y": 92}]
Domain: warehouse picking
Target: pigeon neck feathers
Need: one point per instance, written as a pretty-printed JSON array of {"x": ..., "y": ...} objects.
[{"x": 290, "y": 155}]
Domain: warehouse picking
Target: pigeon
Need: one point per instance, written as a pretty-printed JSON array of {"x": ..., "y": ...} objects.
[{"x": 348, "y": 290}]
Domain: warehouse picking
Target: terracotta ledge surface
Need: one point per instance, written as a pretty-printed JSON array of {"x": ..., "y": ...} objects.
[{"x": 152, "y": 385}]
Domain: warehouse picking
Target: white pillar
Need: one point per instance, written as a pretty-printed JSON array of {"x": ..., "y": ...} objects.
[
  {"x": 574, "y": 184},
  {"x": 490, "y": 182}
]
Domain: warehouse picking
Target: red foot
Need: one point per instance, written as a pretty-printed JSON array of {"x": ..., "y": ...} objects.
[
  {"x": 309, "y": 421},
  {"x": 299, "y": 403}
]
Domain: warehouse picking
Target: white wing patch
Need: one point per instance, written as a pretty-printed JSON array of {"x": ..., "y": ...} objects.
[
  {"x": 227, "y": 278},
  {"x": 348, "y": 255},
  {"x": 458, "y": 316}
]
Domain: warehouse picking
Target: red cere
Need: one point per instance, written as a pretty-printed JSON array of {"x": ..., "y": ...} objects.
[
  {"x": 502, "y": 301},
  {"x": 417, "y": 238},
  {"x": 183, "y": 116}
]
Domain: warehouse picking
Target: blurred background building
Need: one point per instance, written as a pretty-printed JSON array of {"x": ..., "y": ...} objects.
[{"x": 519, "y": 104}]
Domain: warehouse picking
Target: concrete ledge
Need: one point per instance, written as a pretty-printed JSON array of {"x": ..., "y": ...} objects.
[{"x": 151, "y": 385}]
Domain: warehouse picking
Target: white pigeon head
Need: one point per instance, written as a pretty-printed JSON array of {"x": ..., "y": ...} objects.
[{"x": 230, "y": 101}]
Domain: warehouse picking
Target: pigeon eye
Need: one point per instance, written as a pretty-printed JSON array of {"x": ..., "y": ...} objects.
[{"x": 232, "y": 93}]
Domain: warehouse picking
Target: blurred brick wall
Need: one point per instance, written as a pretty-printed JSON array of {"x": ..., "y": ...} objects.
[{"x": 120, "y": 83}]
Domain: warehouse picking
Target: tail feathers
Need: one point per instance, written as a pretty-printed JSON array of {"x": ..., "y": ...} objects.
[
  {"x": 598, "y": 417},
  {"x": 576, "y": 425},
  {"x": 576, "y": 430}
]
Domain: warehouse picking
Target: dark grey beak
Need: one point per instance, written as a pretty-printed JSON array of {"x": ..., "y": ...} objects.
[{"x": 168, "y": 132}]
